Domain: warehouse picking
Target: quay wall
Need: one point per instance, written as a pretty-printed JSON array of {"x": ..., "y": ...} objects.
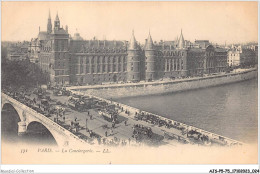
[{"x": 159, "y": 87}]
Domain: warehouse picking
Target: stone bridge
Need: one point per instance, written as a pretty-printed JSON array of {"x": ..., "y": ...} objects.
[{"x": 27, "y": 116}]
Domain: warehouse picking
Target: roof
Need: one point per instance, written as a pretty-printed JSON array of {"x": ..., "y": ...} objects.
[
  {"x": 149, "y": 44},
  {"x": 57, "y": 17},
  {"x": 42, "y": 35},
  {"x": 220, "y": 50},
  {"x": 76, "y": 46},
  {"x": 133, "y": 43},
  {"x": 181, "y": 42},
  {"x": 77, "y": 37},
  {"x": 196, "y": 50}
]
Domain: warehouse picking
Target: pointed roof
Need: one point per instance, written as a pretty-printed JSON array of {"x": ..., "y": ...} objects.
[
  {"x": 49, "y": 14},
  {"x": 57, "y": 17},
  {"x": 181, "y": 42},
  {"x": 149, "y": 43},
  {"x": 133, "y": 43}
]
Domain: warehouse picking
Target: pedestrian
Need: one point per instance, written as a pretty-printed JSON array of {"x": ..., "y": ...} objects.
[
  {"x": 64, "y": 119},
  {"x": 88, "y": 112},
  {"x": 125, "y": 123},
  {"x": 106, "y": 133}
]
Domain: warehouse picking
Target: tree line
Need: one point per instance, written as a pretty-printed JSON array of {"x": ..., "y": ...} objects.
[{"x": 21, "y": 73}]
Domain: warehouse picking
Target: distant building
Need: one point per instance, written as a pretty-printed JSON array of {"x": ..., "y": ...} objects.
[
  {"x": 73, "y": 60},
  {"x": 241, "y": 56},
  {"x": 202, "y": 43},
  {"x": 17, "y": 50}
]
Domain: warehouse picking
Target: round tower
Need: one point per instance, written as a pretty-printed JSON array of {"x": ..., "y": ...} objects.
[
  {"x": 150, "y": 59},
  {"x": 133, "y": 60}
]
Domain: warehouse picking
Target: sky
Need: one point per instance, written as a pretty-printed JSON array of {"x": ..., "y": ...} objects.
[{"x": 219, "y": 22}]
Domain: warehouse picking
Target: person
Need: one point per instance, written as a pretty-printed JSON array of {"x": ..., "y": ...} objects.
[
  {"x": 125, "y": 123},
  {"x": 64, "y": 119},
  {"x": 112, "y": 132},
  {"x": 106, "y": 133}
]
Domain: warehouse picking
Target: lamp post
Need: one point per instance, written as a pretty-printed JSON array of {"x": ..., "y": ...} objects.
[{"x": 86, "y": 125}]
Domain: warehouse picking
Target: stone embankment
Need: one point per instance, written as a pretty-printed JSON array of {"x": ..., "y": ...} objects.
[{"x": 165, "y": 86}]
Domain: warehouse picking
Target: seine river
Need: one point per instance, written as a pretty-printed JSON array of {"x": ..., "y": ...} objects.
[{"x": 229, "y": 110}]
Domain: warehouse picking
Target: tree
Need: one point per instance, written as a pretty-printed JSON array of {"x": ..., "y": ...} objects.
[{"x": 22, "y": 73}]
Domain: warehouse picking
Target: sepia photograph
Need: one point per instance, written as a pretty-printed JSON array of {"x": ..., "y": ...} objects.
[{"x": 141, "y": 82}]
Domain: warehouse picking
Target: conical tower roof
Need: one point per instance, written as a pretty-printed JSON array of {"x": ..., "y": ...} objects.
[
  {"x": 149, "y": 43},
  {"x": 181, "y": 42},
  {"x": 133, "y": 43}
]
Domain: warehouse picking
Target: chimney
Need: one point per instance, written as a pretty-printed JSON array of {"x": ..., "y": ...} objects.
[{"x": 66, "y": 28}]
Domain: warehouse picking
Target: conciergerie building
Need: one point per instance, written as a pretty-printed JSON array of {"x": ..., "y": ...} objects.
[{"x": 73, "y": 60}]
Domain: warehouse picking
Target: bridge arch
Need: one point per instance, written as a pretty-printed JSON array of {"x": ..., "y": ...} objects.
[
  {"x": 9, "y": 120},
  {"x": 27, "y": 115},
  {"x": 39, "y": 128}
]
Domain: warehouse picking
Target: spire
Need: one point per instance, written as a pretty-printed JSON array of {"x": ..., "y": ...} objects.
[
  {"x": 181, "y": 42},
  {"x": 49, "y": 14},
  {"x": 49, "y": 25},
  {"x": 57, "y": 22},
  {"x": 132, "y": 44},
  {"x": 149, "y": 43},
  {"x": 57, "y": 17}
]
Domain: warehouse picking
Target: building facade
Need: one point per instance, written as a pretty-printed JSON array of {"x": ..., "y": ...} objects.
[
  {"x": 242, "y": 56},
  {"x": 73, "y": 60}
]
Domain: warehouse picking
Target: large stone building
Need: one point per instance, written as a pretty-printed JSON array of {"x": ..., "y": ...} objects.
[{"x": 73, "y": 60}]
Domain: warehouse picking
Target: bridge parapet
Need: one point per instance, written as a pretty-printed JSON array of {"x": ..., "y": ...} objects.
[{"x": 28, "y": 115}]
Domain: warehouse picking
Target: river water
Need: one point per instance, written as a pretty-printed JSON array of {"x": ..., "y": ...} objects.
[{"x": 229, "y": 110}]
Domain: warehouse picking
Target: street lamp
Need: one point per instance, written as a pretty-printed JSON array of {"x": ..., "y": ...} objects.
[{"x": 86, "y": 125}]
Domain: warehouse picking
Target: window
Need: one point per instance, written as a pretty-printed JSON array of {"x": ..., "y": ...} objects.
[{"x": 87, "y": 68}]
